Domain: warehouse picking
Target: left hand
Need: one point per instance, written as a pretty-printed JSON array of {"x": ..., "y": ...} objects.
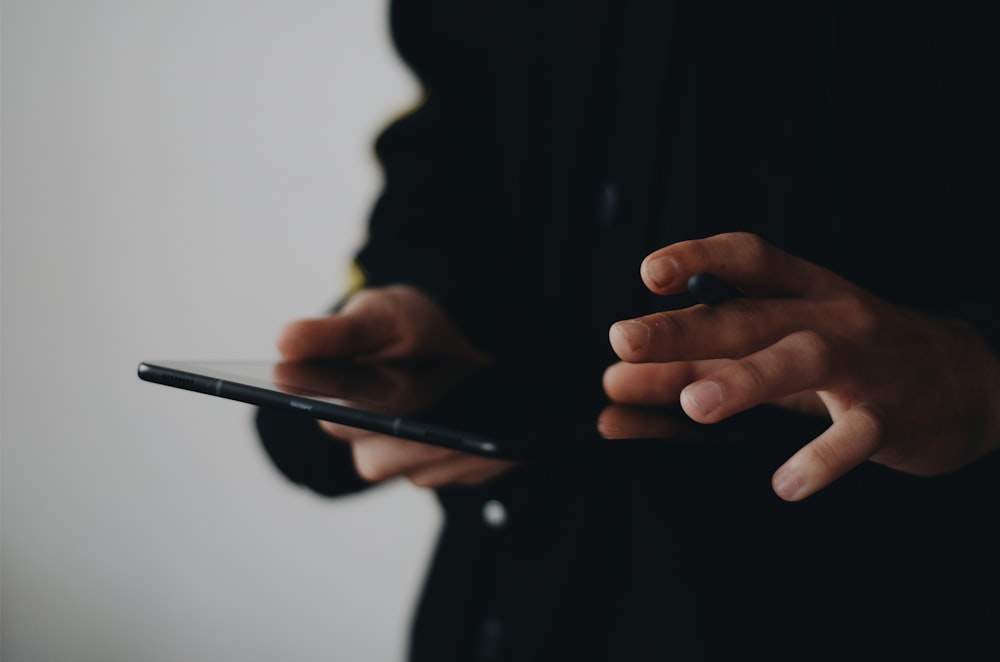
[
  {"x": 397, "y": 387},
  {"x": 913, "y": 392},
  {"x": 376, "y": 328}
]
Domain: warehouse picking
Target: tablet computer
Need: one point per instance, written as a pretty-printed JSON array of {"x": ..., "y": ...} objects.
[{"x": 510, "y": 412}]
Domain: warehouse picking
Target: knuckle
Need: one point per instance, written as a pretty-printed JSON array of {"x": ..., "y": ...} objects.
[
  {"x": 664, "y": 324},
  {"x": 821, "y": 350},
  {"x": 752, "y": 374},
  {"x": 744, "y": 313},
  {"x": 752, "y": 246},
  {"x": 862, "y": 317},
  {"x": 826, "y": 454},
  {"x": 362, "y": 299}
]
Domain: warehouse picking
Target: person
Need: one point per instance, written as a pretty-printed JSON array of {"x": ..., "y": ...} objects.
[{"x": 570, "y": 166}]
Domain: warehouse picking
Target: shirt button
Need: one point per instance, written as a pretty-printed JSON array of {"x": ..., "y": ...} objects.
[
  {"x": 494, "y": 514},
  {"x": 490, "y": 640}
]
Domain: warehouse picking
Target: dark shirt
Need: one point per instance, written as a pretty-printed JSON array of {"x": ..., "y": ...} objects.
[{"x": 561, "y": 142}]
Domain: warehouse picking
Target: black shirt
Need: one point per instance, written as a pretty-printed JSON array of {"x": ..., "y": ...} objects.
[{"x": 558, "y": 144}]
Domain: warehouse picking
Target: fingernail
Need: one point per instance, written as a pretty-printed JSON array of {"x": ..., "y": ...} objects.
[
  {"x": 662, "y": 271},
  {"x": 786, "y": 484},
  {"x": 635, "y": 334},
  {"x": 703, "y": 396}
]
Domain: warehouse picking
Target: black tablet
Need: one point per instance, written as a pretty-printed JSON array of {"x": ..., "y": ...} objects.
[{"x": 511, "y": 412}]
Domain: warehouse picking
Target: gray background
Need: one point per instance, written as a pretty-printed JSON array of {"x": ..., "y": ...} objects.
[{"x": 179, "y": 178}]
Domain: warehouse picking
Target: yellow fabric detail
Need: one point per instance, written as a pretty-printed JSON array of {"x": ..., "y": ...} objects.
[{"x": 355, "y": 279}]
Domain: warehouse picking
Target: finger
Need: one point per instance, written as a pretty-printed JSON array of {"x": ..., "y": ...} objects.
[
  {"x": 378, "y": 458},
  {"x": 742, "y": 259},
  {"x": 619, "y": 421},
  {"x": 342, "y": 432},
  {"x": 653, "y": 383},
  {"x": 799, "y": 362},
  {"x": 804, "y": 402},
  {"x": 335, "y": 337},
  {"x": 849, "y": 442},
  {"x": 728, "y": 330},
  {"x": 460, "y": 469},
  {"x": 366, "y": 324}
]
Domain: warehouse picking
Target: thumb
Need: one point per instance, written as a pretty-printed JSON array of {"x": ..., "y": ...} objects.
[
  {"x": 851, "y": 440},
  {"x": 368, "y": 326}
]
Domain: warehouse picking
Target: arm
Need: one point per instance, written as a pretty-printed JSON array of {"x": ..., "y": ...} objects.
[
  {"x": 438, "y": 224},
  {"x": 434, "y": 230}
]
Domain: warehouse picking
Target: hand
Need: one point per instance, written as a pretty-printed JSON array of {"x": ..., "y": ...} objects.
[
  {"x": 394, "y": 323},
  {"x": 384, "y": 325},
  {"x": 912, "y": 392}
]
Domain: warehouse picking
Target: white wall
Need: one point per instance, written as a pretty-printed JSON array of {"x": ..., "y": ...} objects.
[{"x": 180, "y": 177}]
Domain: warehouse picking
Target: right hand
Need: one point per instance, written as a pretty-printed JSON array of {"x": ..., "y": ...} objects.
[{"x": 393, "y": 323}]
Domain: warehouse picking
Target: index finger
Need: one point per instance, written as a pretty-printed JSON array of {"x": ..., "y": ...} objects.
[
  {"x": 738, "y": 258},
  {"x": 366, "y": 325},
  {"x": 334, "y": 337}
]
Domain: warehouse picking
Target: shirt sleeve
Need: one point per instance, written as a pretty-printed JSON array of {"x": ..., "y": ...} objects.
[
  {"x": 306, "y": 455},
  {"x": 438, "y": 223}
]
